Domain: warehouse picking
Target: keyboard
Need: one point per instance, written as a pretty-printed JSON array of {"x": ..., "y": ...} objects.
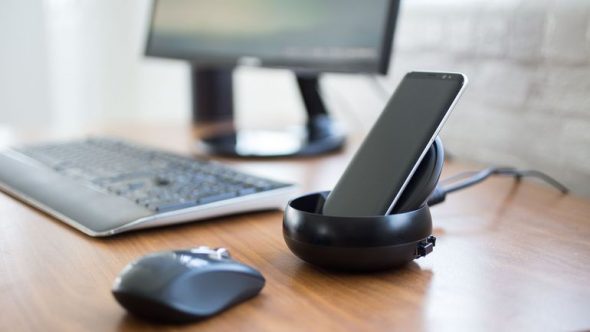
[{"x": 105, "y": 186}]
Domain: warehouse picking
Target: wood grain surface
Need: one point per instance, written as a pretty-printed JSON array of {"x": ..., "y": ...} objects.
[{"x": 509, "y": 256}]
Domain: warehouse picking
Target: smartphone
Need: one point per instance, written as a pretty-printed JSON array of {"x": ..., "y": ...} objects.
[{"x": 390, "y": 154}]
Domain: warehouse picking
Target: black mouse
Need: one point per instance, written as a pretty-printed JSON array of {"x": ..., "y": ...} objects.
[{"x": 185, "y": 285}]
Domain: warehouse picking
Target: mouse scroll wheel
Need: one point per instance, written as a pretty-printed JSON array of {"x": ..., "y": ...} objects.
[
  {"x": 222, "y": 253},
  {"x": 217, "y": 253}
]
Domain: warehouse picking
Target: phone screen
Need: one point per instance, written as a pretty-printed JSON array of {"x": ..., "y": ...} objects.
[{"x": 389, "y": 155}]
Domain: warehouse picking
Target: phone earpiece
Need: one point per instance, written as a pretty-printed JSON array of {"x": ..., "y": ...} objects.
[{"x": 369, "y": 242}]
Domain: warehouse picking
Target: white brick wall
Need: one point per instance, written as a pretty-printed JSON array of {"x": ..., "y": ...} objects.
[{"x": 528, "y": 61}]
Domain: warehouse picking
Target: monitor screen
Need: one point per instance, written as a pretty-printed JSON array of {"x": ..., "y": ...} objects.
[{"x": 316, "y": 35}]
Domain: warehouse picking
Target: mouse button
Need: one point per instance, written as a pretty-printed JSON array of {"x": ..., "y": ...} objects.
[
  {"x": 149, "y": 274},
  {"x": 154, "y": 260},
  {"x": 231, "y": 265},
  {"x": 208, "y": 293},
  {"x": 192, "y": 260}
]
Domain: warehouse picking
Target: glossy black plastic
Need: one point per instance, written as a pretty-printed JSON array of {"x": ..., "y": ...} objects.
[
  {"x": 371, "y": 242},
  {"x": 354, "y": 243},
  {"x": 424, "y": 180},
  {"x": 213, "y": 103}
]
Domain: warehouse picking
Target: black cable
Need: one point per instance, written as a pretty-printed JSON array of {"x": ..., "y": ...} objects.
[{"x": 475, "y": 177}]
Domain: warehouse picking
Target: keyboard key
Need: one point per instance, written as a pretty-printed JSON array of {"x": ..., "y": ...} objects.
[
  {"x": 171, "y": 206},
  {"x": 217, "y": 197},
  {"x": 247, "y": 191},
  {"x": 154, "y": 179}
]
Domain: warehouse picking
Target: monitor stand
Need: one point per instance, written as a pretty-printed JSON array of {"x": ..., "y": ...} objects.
[{"x": 212, "y": 91}]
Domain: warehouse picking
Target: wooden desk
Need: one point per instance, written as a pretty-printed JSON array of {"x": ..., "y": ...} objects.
[{"x": 508, "y": 257}]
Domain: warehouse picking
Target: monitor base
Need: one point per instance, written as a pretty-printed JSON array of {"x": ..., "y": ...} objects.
[
  {"x": 212, "y": 91},
  {"x": 321, "y": 135}
]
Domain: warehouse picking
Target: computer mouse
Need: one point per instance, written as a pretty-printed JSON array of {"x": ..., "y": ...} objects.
[{"x": 185, "y": 285}]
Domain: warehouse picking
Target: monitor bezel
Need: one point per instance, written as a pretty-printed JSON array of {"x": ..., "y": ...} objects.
[{"x": 386, "y": 49}]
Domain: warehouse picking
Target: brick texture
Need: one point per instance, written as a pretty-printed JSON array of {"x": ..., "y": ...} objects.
[{"x": 528, "y": 61}]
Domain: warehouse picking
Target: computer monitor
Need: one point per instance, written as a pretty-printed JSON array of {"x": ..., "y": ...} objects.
[{"x": 307, "y": 36}]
